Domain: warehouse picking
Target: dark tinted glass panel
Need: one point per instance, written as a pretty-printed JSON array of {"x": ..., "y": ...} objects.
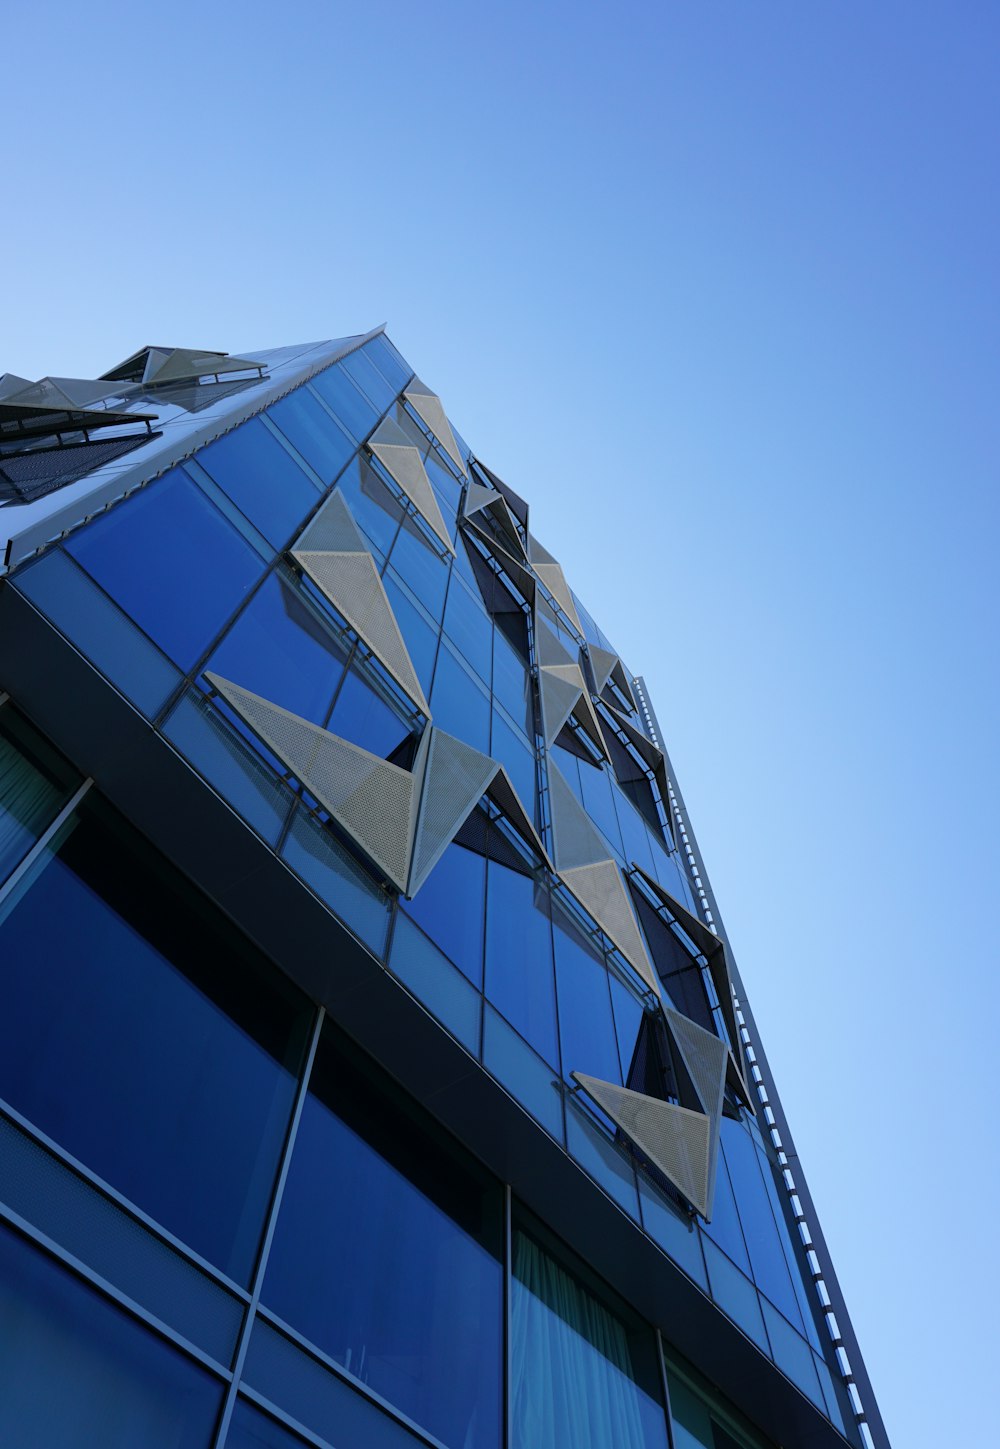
[
  {"x": 279, "y": 648},
  {"x": 586, "y": 1024},
  {"x": 760, "y": 1231},
  {"x": 450, "y": 906},
  {"x": 312, "y": 432},
  {"x": 170, "y": 559},
  {"x": 386, "y": 1254},
  {"x": 147, "y": 1038},
  {"x": 419, "y": 566},
  {"x": 262, "y": 479},
  {"x": 77, "y": 1372},
  {"x": 34, "y": 782},
  {"x": 250, "y": 1429},
  {"x": 360, "y": 716},
  {"x": 353, "y": 411},
  {"x": 366, "y": 375},
  {"x": 583, "y": 1373},
  {"x": 376, "y": 511},
  {"x": 519, "y": 978},
  {"x": 511, "y": 684},
  {"x": 459, "y": 703},
  {"x": 470, "y": 629}
]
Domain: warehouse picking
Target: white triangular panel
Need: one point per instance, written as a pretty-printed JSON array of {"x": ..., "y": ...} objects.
[
  {"x": 704, "y": 1056},
  {"x": 402, "y": 461},
  {"x": 373, "y": 800},
  {"x": 601, "y": 891},
  {"x": 676, "y": 1140},
  {"x": 352, "y": 584},
  {"x": 455, "y": 777},
  {"x": 333, "y": 529},
  {"x": 427, "y": 406},
  {"x": 576, "y": 839}
]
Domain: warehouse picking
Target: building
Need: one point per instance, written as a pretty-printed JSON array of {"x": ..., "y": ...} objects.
[{"x": 373, "y": 1068}]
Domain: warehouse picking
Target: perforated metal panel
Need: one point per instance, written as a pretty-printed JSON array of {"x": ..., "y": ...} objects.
[
  {"x": 455, "y": 777},
  {"x": 550, "y": 650},
  {"x": 577, "y": 840},
  {"x": 503, "y": 793},
  {"x": 371, "y": 799},
  {"x": 676, "y": 1140},
  {"x": 603, "y": 662},
  {"x": 479, "y": 500},
  {"x": 402, "y": 461},
  {"x": 564, "y": 692},
  {"x": 478, "y": 496},
  {"x": 351, "y": 582},
  {"x": 333, "y": 529},
  {"x": 601, "y": 891},
  {"x": 554, "y": 579},
  {"x": 427, "y": 406},
  {"x": 651, "y": 753},
  {"x": 704, "y": 1056}
]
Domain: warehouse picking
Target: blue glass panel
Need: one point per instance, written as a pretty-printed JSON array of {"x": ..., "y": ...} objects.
[
  {"x": 510, "y": 1059},
  {"x": 760, "y": 1233},
  {"x": 101, "y": 631},
  {"x": 692, "y": 1425},
  {"x": 172, "y": 562},
  {"x": 735, "y": 1294},
  {"x": 628, "y": 1022},
  {"x": 511, "y": 684},
  {"x": 583, "y": 1374},
  {"x": 725, "y": 1227},
  {"x": 635, "y": 836},
  {"x": 436, "y": 982},
  {"x": 508, "y": 748},
  {"x": 600, "y": 1157},
  {"x": 677, "y": 1235},
  {"x": 450, "y": 906},
  {"x": 586, "y": 1026},
  {"x": 35, "y": 783},
  {"x": 420, "y": 639},
  {"x": 376, "y": 511},
  {"x": 221, "y": 758},
  {"x": 793, "y": 1253},
  {"x": 77, "y": 1372},
  {"x": 389, "y": 362},
  {"x": 445, "y": 484},
  {"x": 279, "y": 648},
  {"x": 470, "y": 629},
  {"x": 250, "y": 1429},
  {"x": 597, "y": 801},
  {"x": 147, "y": 1038},
  {"x": 386, "y": 1254},
  {"x": 359, "y": 715},
  {"x": 312, "y": 432},
  {"x": 337, "y": 878},
  {"x": 419, "y": 566},
  {"x": 834, "y": 1405},
  {"x": 519, "y": 972},
  {"x": 569, "y": 767},
  {"x": 360, "y": 368},
  {"x": 459, "y": 703},
  {"x": 263, "y": 480},
  {"x": 792, "y": 1354},
  {"x": 351, "y": 409}
]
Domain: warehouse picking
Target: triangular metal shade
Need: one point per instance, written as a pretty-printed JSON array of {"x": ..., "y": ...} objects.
[
  {"x": 564, "y": 692},
  {"x": 352, "y": 584},
  {"x": 550, "y": 649},
  {"x": 601, "y": 891},
  {"x": 480, "y": 500},
  {"x": 333, "y": 529},
  {"x": 704, "y": 1056},
  {"x": 371, "y": 799},
  {"x": 502, "y": 792},
  {"x": 402, "y": 461},
  {"x": 652, "y": 754},
  {"x": 607, "y": 665},
  {"x": 554, "y": 579},
  {"x": 427, "y": 406},
  {"x": 455, "y": 779},
  {"x": 576, "y": 839},
  {"x": 713, "y": 948},
  {"x": 674, "y": 1139}
]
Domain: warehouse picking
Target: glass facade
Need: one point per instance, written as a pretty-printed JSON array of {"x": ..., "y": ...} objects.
[{"x": 224, "y": 1222}]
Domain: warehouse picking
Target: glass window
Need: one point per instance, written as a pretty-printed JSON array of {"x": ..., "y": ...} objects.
[
  {"x": 360, "y": 368},
  {"x": 420, "y": 638},
  {"x": 459, "y": 703},
  {"x": 389, "y": 362},
  {"x": 508, "y": 748},
  {"x": 359, "y": 715},
  {"x": 694, "y": 1427},
  {"x": 262, "y": 478},
  {"x": 352, "y": 410},
  {"x": 35, "y": 782},
  {"x": 313, "y": 433},
  {"x": 596, "y": 785},
  {"x": 250, "y": 1429},
  {"x": 470, "y": 629},
  {"x": 583, "y": 1371},
  {"x": 147, "y": 1038},
  {"x": 172, "y": 562},
  {"x": 76, "y": 1371},
  {"x": 279, "y": 648},
  {"x": 586, "y": 1025},
  {"x": 450, "y": 906},
  {"x": 376, "y": 511},
  {"x": 420, "y": 566},
  {"x": 387, "y": 1251},
  {"x": 325, "y": 865},
  {"x": 436, "y": 982},
  {"x": 519, "y": 979},
  {"x": 511, "y": 684},
  {"x": 760, "y": 1233}
]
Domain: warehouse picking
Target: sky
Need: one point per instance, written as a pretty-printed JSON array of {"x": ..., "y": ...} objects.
[{"x": 715, "y": 287}]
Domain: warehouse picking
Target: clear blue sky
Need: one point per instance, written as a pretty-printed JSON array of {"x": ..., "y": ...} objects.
[{"x": 718, "y": 283}]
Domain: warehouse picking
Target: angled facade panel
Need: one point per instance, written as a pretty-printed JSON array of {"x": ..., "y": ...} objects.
[
  {"x": 455, "y": 777},
  {"x": 427, "y": 406},
  {"x": 403, "y": 463},
  {"x": 599, "y": 887}
]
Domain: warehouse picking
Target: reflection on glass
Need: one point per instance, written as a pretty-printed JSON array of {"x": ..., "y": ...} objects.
[
  {"x": 386, "y": 1254},
  {"x": 582, "y": 1375},
  {"x": 262, "y": 479},
  {"x": 181, "y": 1043},
  {"x": 519, "y": 979},
  {"x": 34, "y": 783}
]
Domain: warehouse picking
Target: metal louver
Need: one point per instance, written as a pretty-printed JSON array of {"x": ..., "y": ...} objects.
[
  {"x": 554, "y": 579},
  {"x": 607, "y": 665},
  {"x": 601, "y": 891},
  {"x": 428, "y": 408},
  {"x": 576, "y": 839},
  {"x": 676, "y": 1140},
  {"x": 349, "y": 578},
  {"x": 402, "y": 461},
  {"x": 479, "y": 500},
  {"x": 371, "y": 799},
  {"x": 564, "y": 692}
]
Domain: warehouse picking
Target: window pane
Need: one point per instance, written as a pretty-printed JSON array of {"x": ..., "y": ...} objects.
[
  {"x": 313, "y": 433},
  {"x": 450, "y": 906},
  {"x": 34, "y": 783},
  {"x": 181, "y": 1043},
  {"x": 586, "y": 1025},
  {"x": 582, "y": 1376},
  {"x": 352, "y": 410},
  {"x": 459, "y": 704},
  {"x": 262, "y": 478},
  {"x": 173, "y": 563},
  {"x": 77, "y": 1372},
  {"x": 519, "y": 978},
  {"x": 386, "y": 1253}
]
